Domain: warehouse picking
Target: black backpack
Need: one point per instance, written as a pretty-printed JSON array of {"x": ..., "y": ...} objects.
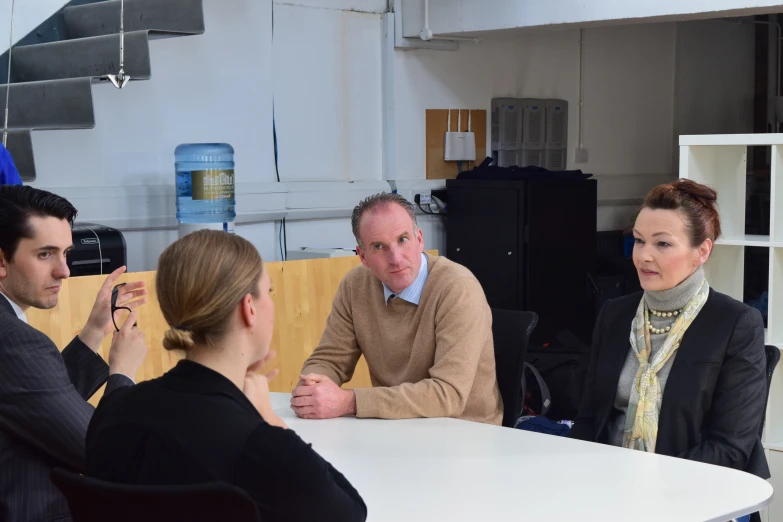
[{"x": 561, "y": 365}]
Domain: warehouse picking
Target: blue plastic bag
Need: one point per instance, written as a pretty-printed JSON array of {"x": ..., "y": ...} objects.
[{"x": 8, "y": 173}]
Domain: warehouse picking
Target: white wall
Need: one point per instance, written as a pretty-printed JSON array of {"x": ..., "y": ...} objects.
[
  {"x": 363, "y": 6},
  {"x": 715, "y": 71},
  {"x": 544, "y": 65},
  {"x": 466, "y": 16},
  {"x": 715, "y": 78},
  {"x": 629, "y": 106},
  {"x": 27, "y": 16},
  {"x": 349, "y": 111},
  {"x": 336, "y": 233},
  {"x": 205, "y": 88},
  {"x": 220, "y": 86},
  {"x": 629, "y": 86},
  {"x": 202, "y": 89},
  {"x": 327, "y": 92},
  {"x": 644, "y": 85}
]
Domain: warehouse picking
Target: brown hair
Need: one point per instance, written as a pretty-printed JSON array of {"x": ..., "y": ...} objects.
[
  {"x": 375, "y": 203},
  {"x": 201, "y": 278},
  {"x": 696, "y": 202}
]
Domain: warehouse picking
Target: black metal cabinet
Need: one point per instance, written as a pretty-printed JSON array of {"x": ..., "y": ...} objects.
[{"x": 532, "y": 246}]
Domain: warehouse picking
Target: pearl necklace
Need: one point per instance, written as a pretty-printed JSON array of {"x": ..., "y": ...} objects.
[{"x": 656, "y": 313}]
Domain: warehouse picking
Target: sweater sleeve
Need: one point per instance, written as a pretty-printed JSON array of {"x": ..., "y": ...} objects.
[
  {"x": 463, "y": 323},
  {"x": 290, "y": 481},
  {"x": 338, "y": 352}
]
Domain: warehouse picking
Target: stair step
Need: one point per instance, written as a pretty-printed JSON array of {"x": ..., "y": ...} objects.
[
  {"x": 94, "y": 56},
  {"x": 51, "y": 104},
  {"x": 101, "y": 18},
  {"x": 52, "y": 82},
  {"x": 20, "y": 145}
]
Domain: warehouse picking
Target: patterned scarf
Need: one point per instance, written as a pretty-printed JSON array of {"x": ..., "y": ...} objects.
[{"x": 641, "y": 419}]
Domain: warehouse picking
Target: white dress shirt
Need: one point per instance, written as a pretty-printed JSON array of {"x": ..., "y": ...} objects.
[
  {"x": 19, "y": 312},
  {"x": 412, "y": 294}
]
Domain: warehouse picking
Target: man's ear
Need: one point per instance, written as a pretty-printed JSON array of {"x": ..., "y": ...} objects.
[
  {"x": 362, "y": 258},
  {"x": 3, "y": 265}
]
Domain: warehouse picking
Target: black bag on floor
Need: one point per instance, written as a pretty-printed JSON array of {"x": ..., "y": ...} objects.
[
  {"x": 562, "y": 366},
  {"x": 535, "y": 393}
]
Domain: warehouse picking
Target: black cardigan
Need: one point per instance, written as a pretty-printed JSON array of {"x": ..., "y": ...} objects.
[
  {"x": 715, "y": 396},
  {"x": 194, "y": 425}
]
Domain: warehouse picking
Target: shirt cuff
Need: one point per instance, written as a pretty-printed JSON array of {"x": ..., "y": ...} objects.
[{"x": 126, "y": 376}]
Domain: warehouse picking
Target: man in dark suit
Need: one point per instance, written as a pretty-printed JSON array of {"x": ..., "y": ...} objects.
[{"x": 43, "y": 393}]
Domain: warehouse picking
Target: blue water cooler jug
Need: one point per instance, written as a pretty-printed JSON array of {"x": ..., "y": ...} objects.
[{"x": 205, "y": 187}]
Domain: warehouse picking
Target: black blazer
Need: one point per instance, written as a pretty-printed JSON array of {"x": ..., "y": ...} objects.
[
  {"x": 715, "y": 396},
  {"x": 194, "y": 425},
  {"x": 43, "y": 416}
]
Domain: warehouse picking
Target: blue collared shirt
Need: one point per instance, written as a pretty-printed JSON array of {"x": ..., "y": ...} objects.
[{"x": 412, "y": 294}]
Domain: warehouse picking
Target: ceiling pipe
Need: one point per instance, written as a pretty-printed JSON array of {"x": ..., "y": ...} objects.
[{"x": 426, "y": 32}]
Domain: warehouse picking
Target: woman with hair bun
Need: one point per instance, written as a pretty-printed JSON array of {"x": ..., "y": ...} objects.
[
  {"x": 210, "y": 418},
  {"x": 678, "y": 369}
]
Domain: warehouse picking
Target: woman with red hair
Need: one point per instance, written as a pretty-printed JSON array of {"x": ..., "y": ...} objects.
[{"x": 678, "y": 369}]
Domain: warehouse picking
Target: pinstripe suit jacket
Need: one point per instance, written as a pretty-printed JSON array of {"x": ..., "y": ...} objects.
[{"x": 43, "y": 416}]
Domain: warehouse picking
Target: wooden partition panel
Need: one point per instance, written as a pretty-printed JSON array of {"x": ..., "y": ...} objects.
[{"x": 302, "y": 293}]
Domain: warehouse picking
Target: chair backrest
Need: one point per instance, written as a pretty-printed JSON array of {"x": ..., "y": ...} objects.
[
  {"x": 93, "y": 500},
  {"x": 773, "y": 356},
  {"x": 511, "y": 330}
]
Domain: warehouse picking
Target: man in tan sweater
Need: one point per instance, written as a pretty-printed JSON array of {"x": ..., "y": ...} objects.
[{"x": 422, "y": 323}]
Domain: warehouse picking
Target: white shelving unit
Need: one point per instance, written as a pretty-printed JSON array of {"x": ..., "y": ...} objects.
[{"x": 720, "y": 161}]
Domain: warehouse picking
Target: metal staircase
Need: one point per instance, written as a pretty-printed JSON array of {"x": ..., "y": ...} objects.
[{"x": 55, "y": 66}]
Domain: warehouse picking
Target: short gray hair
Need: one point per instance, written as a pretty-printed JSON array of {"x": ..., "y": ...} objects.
[{"x": 375, "y": 203}]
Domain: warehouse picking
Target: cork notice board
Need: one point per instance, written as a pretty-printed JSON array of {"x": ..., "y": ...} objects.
[{"x": 436, "y": 125}]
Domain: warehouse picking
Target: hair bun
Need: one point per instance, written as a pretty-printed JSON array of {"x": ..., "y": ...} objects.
[
  {"x": 705, "y": 194},
  {"x": 177, "y": 339},
  {"x": 200, "y": 280},
  {"x": 696, "y": 201}
]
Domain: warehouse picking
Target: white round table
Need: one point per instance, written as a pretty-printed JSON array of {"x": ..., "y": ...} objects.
[{"x": 451, "y": 470}]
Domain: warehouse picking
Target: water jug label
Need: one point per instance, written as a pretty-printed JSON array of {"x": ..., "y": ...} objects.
[{"x": 212, "y": 184}]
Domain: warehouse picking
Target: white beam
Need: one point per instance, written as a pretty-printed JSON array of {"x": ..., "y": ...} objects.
[
  {"x": 360, "y": 6},
  {"x": 473, "y": 16}
]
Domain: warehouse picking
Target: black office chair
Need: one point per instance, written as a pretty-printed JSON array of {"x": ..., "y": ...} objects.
[
  {"x": 511, "y": 330},
  {"x": 93, "y": 500},
  {"x": 773, "y": 356}
]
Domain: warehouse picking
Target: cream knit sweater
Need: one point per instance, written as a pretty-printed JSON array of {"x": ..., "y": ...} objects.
[{"x": 432, "y": 360}]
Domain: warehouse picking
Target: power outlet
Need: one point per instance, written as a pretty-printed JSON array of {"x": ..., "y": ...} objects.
[
  {"x": 581, "y": 156},
  {"x": 424, "y": 199}
]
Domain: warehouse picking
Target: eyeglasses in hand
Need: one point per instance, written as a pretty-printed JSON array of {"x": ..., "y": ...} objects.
[{"x": 114, "y": 294}]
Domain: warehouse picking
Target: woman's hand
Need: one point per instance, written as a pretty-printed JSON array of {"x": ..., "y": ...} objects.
[{"x": 256, "y": 389}]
